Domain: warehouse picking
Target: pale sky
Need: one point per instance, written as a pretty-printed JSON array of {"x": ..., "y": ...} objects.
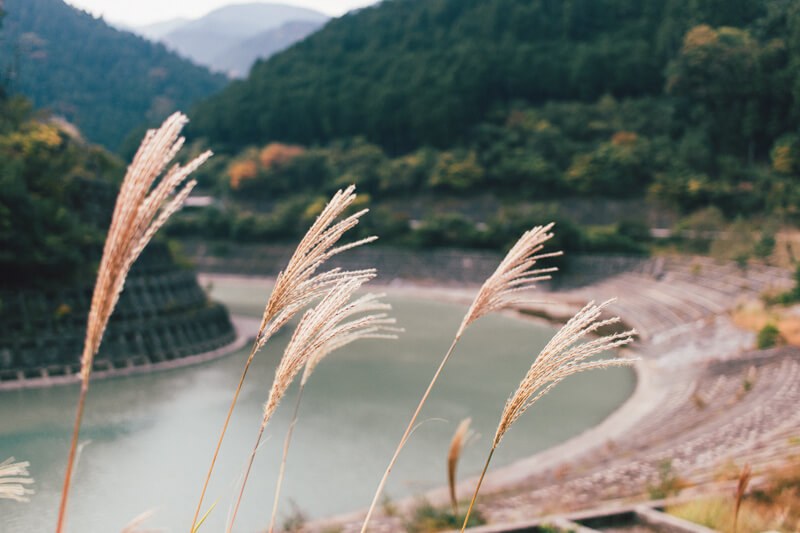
[{"x": 138, "y": 12}]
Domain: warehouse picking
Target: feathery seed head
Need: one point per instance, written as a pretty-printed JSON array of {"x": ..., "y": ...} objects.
[
  {"x": 297, "y": 286},
  {"x": 321, "y": 330},
  {"x": 13, "y": 478},
  {"x": 460, "y": 437},
  {"x": 513, "y": 275},
  {"x": 375, "y": 326},
  {"x": 141, "y": 209},
  {"x": 562, "y": 357}
]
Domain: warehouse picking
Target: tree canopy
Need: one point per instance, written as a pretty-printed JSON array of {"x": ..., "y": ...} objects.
[{"x": 104, "y": 80}]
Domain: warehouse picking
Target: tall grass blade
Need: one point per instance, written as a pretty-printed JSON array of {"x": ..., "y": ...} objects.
[
  {"x": 504, "y": 287},
  {"x": 298, "y": 286},
  {"x": 321, "y": 329},
  {"x": 741, "y": 487},
  {"x": 142, "y": 207},
  {"x": 453, "y": 455},
  {"x": 561, "y": 357}
]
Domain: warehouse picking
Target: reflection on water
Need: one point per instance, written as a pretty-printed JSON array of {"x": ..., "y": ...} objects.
[{"x": 151, "y": 437}]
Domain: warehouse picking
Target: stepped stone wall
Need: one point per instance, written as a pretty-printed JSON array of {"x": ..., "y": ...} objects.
[
  {"x": 440, "y": 265},
  {"x": 162, "y": 315}
]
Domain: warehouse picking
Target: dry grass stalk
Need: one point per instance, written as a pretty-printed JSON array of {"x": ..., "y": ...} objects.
[
  {"x": 504, "y": 287},
  {"x": 561, "y": 357},
  {"x": 460, "y": 437},
  {"x": 320, "y": 330},
  {"x": 741, "y": 487},
  {"x": 133, "y": 525},
  {"x": 13, "y": 478},
  {"x": 298, "y": 286},
  {"x": 513, "y": 276},
  {"x": 142, "y": 207},
  {"x": 381, "y": 330}
]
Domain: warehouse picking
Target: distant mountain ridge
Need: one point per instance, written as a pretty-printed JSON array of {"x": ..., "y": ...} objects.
[
  {"x": 105, "y": 81},
  {"x": 231, "y": 38},
  {"x": 238, "y": 59},
  {"x": 157, "y": 30}
]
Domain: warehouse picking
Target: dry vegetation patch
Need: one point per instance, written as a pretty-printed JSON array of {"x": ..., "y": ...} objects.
[{"x": 774, "y": 505}]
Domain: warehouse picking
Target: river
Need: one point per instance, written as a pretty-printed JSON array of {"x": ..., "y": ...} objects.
[{"x": 149, "y": 438}]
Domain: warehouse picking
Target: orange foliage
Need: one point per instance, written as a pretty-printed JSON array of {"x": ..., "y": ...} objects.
[
  {"x": 624, "y": 138},
  {"x": 700, "y": 36},
  {"x": 242, "y": 170},
  {"x": 275, "y": 155}
]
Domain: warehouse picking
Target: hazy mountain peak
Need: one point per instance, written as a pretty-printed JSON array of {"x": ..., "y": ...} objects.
[{"x": 214, "y": 35}]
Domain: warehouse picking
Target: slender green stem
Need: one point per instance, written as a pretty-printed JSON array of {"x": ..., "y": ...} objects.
[
  {"x": 222, "y": 434},
  {"x": 283, "y": 460},
  {"x": 410, "y": 427},
  {"x": 477, "y": 488},
  {"x": 71, "y": 460},
  {"x": 246, "y": 475}
]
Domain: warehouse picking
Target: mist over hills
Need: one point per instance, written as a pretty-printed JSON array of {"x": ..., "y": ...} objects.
[
  {"x": 239, "y": 58},
  {"x": 157, "y": 30},
  {"x": 231, "y": 38},
  {"x": 104, "y": 80}
]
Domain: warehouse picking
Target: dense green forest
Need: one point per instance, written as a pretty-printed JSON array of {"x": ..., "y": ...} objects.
[
  {"x": 407, "y": 73},
  {"x": 692, "y": 106},
  {"x": 105, "y": 81},
  {"x": 55, "y": 199}
]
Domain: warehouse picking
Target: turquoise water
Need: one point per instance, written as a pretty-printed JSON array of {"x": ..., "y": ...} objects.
[{"x": 151, "y": 437}]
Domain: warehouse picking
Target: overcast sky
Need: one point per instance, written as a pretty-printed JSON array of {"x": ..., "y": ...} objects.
[{"x": 138, "y": 12}]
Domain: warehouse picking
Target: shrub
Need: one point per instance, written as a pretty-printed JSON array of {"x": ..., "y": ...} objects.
[
  {"x": 768, "y": 336},
  {"x": 426, "y": 518}
]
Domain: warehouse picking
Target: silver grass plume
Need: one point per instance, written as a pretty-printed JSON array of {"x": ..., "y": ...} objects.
[
  {"x": 504, "y": 287},
  {"x": 320, "y": 329},
  {"x": 297, "y": 286},
  {"x": 13, "y": 478},
  {"x": 141, "y": 209},
  {"x": 563, "y": 356},
  {"x": 513, "y": 275},
  {"x": 377, "y": 326}
]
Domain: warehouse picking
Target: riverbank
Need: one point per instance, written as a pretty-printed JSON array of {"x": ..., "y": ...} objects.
[
  {"x": 698, "y": 406},
  {"x": 648, "y": 394}
]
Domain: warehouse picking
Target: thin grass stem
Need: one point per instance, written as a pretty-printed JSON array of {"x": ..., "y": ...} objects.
[
  {"x": 246, "y": 475},
  {"x": 402, "y": 443},
  {"x": 477, "y": 488},
  {"x": 222, "y": 434},
  {"x": 283, "y": 459},
  {"x": 62, "y": 510}
]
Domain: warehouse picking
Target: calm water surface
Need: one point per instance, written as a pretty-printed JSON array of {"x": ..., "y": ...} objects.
[{"x": 150, "y": 438}]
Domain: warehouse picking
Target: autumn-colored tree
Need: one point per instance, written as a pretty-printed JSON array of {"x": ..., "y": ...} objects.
[
  {"x": 275, "y": 155},
  {"x": 239, "y": 171}
]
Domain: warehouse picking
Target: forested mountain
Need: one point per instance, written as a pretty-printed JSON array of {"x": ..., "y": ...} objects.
[
  {"x": 209, "y": 40},
  {"x": 411, "y": 72},
  {"x": 692, "y": 106},
  {"x": 105, "y": 81}
]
